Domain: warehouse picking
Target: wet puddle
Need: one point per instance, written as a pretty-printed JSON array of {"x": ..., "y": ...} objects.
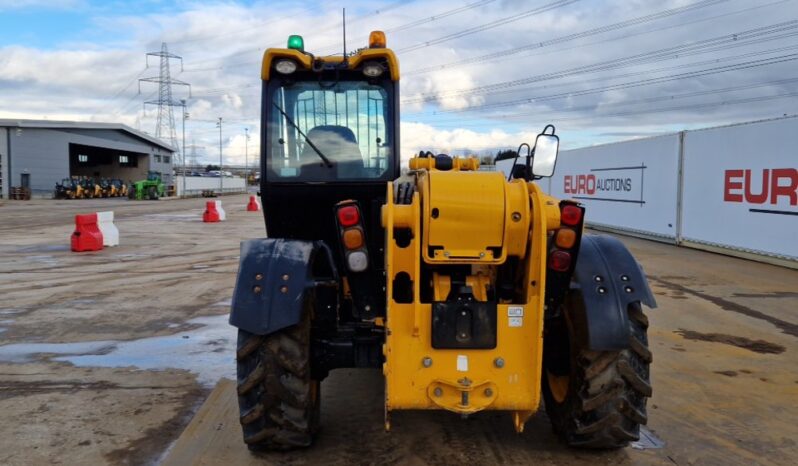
[
  {"x": 28, "y": 352},
  {"x": 648, "y": 441},
  {"x": 208, "y": 351}
]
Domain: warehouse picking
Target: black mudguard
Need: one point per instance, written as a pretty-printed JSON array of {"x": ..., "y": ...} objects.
[
  {"x": 607, "y": 279},
  {"x": 274, "y": 279}
]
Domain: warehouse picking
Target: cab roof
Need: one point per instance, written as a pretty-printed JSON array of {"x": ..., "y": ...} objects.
[{"x": 376, "y": 51}]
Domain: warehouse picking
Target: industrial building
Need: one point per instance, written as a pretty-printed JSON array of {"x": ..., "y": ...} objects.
[{"x": 36, "y": 154}]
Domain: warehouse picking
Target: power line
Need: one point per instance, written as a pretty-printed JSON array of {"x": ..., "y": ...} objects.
[
  {"x": 640, "y": 101},
  {"x": 490, "y": 25},
  {"x": 740, "y": 39},
  {"x": 692, "y": 6},
  {"x": 651, "y": 17},
  {"x": 594, "y": 116},
  {"x": 602, "y": 78},
  {"x": 662, "y": 79},
  {"x": 239, "y": 31},
  {"x": 379, "y": 11},
  {"x": 484, "y": 27},
  {"x": 439, "y": 16},
  {"x": 120, "y": 91},
  {"x": 429, "y": 19},
  {"x": 739, "y": 101},
  {"x": 570, "y": 37}
]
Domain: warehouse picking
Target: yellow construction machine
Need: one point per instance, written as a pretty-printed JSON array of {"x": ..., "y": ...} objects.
[{"x": 469, "y": 290}]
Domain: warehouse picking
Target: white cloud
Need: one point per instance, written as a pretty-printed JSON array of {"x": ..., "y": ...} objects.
[
  {"x": 418, "y": 137},
  {"x": 222, "y": 45}
]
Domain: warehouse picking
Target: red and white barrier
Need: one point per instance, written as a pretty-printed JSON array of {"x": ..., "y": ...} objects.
[
  {"x": 105, "y": 222},
  {"x": 87, "y": 235},
  {"x": 211, "y": 214},
  {"x": 253, "y": 205},
  {"x": 222, "y": 214}
]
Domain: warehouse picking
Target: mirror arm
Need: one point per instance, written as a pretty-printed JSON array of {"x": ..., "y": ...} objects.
[
  {"x": 515, "y": 160},
  {"x": 529, "y": 156}
]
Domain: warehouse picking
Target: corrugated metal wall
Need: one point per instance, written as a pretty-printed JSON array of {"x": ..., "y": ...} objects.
[{"x": 43, "y": 153}]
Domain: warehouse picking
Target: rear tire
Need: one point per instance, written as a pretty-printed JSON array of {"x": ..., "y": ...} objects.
[
  {"x": 277, "y": 398},
  {"x": 152, "y": 193},
  {"x": 597, "y": 399}
]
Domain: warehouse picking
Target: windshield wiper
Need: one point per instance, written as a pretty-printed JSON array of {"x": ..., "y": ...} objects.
[{"x": 310, "y": 143}]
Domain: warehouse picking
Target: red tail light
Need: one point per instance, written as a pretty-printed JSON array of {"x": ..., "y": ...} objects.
[
  {"x": 348, "y": 216},
  {"x": 571, "y": 215},
  {"x": 559, "y": 261}
]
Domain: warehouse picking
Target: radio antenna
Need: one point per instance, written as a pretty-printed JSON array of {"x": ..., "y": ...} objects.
[{"x": 344, "y": 34}]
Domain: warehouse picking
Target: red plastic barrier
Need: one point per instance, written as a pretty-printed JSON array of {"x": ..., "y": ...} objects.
[
  {"x": 253, "y": 205},
  {"x": 87, "y": 235},
  {"x": 211, "y": 215}
]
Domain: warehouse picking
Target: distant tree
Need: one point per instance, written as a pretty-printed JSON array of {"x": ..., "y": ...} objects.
[
  {"x": 210, "y": 168},
  {"x": 506, "y": 154}
]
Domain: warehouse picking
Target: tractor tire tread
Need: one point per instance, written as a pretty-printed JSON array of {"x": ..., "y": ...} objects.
[
  {"x": 278, "y": 401},
  {"x": 606, "y": 403}
]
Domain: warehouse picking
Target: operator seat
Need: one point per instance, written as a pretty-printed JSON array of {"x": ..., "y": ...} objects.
[{"x": 339, "y": 145}]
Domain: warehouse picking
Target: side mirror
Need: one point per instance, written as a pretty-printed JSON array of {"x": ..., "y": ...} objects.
[{"x": 546, "y": 148}]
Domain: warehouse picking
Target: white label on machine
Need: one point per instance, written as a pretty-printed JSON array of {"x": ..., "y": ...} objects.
[
  {"x": 516, "y": 321},
  {"x": 515, "y": 311},
  {"x": 462, "y": 363}
]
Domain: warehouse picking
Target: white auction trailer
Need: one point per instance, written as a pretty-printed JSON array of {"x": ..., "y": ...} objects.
[{"x": 729, "y": 189}]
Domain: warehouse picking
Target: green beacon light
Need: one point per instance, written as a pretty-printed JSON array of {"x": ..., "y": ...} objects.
[{"x": 296, "y": 42}]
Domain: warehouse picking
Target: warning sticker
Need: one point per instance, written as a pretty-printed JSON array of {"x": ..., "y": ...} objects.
[
  {"x": 515, "y": 311},
  {"x": 462, "y": 363},
  {"x": 516, "y": 321}
]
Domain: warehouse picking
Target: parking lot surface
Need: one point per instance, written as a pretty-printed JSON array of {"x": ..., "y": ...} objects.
[{"x": 107, "y": 357}]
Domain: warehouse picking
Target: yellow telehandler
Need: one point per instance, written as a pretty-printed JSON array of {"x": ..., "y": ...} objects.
[{"x": 468, "y": 290}]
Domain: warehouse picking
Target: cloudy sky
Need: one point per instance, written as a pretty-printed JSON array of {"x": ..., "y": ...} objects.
[{"x": 477, "y": 76}]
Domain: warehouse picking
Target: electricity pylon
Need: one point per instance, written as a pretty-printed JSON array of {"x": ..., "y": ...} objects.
[{"x": 165, "y": 125}]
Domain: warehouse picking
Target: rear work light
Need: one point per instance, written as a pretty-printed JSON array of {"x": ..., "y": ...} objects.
[
  {"x": 348, "y": 215},
  {"x": 559, "y": 261},
  {"x": 373, "y": 69},
  {"x": 571, "y": 215},
  {"x": 285, "y": 66}
]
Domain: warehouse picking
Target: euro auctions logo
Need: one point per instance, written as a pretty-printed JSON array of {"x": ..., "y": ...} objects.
[
  {"x": 616, "y": 184},
  {"x": 589, "y": 184},
  {"x": 777, "y": 186}
]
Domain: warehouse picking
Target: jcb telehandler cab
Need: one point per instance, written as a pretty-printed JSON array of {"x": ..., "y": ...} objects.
[{"x": 468, "y": 290}]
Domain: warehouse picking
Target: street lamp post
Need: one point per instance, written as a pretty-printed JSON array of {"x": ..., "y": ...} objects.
[
  {"x": 221, "y": 172},
  {"x": 246, "y": 158},
  {"x": 185, "y": 117}
]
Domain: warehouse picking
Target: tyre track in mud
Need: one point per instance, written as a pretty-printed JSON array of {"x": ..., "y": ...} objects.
[{"x": 788, "y": 328}]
